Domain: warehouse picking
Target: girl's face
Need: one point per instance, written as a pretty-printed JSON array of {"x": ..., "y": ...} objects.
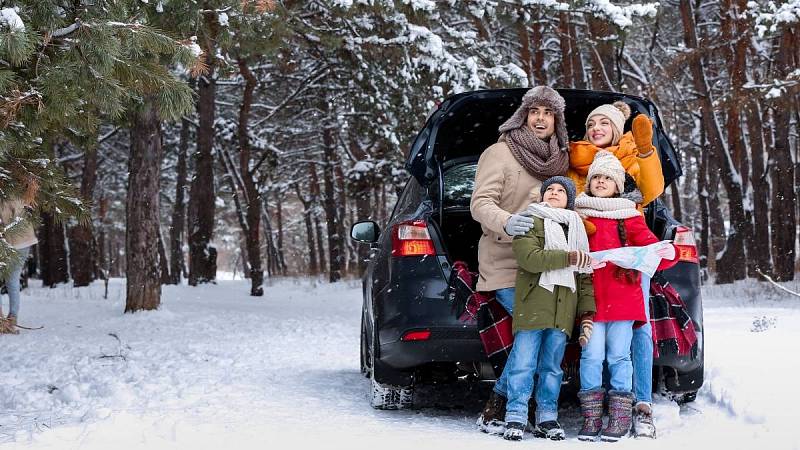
[
  {"x": 602, "y": 186},
  {"x": 556, "y": 196},
  {"x": 600, "y": 131}
]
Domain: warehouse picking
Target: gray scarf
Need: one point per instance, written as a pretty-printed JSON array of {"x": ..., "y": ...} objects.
[{"x": 541, "y": 159}]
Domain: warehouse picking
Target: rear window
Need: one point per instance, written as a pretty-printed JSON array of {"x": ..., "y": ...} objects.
[{"x": 458, "y": 184}]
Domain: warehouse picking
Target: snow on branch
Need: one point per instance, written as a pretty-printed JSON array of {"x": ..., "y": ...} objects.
[
  {"x": 10, "y": 18},
  {"x": 774, "y": 283},
  {"x": 622, "y": 16},
  {"x": 773, "y": 16}
]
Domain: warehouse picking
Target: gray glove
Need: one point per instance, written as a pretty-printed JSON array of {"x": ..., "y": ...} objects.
[{"x": 518, "y": 225}]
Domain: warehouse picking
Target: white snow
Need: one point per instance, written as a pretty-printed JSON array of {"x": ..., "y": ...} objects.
[
  {"x": 223, "y": 19},
  {"x": 10, "y": 18},
  {"x": 215, "y": 368}
]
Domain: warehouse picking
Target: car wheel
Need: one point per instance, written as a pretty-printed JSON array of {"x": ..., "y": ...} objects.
[
  {"x": 365, "y": 368},
  {"x": 686, "y": 398},
  {"x": 382, "y": 396}
]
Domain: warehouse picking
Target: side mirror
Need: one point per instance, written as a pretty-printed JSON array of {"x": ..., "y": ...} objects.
[{"x": 366, "y": 231}]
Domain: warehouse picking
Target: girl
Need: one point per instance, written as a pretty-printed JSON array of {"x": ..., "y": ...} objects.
[
  {"x": 618, "y": 296},
  {"x": 548, "y": 293}
]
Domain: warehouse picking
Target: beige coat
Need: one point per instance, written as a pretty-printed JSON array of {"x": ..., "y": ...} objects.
[
  {"x": 502, "y": 187},
  {"x": 9, "y": 211}
]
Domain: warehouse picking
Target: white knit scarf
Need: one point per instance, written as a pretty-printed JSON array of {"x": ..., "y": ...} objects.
[
  {"x": 554, "y": 239},
  {"x": 606, "y": 208}
]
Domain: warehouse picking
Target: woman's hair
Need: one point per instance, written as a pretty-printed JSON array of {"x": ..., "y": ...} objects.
[
  {"x": 625, "y": 275},
  {"x": 616, "y": 135}
]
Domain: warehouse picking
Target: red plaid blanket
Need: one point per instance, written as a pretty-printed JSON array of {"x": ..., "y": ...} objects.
[
  {"x": 673, "y": 329},
  {"x": 483, "y": 310}
]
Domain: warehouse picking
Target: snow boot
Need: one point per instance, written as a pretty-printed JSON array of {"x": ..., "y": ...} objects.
[
  {"x": 620, "y": 405},
  {"x": 514, "y": 431},
  {"x": 592, "y": 412},
  {"x": 549, "y": 430},
  {"x": 8, "y": 326},
  {"x": 643, "y": 426},
  {"x": 492, "y": 418}
]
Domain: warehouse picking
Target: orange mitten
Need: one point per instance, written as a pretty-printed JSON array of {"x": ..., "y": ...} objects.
[
  {"x": 642, "y": 130},
  {"x": 590, "y": 227}
]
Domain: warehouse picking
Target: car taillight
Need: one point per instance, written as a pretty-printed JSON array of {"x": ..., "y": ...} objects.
[
  {"x": 412, "y": 239},
  {"x": 684, "y": 242},
  {"x": 416, "y": 335}
]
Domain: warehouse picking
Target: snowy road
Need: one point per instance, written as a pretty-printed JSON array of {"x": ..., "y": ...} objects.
[{"x": 215, "y": 368}]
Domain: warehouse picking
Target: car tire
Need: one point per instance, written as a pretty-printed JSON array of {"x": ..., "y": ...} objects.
[
  {"x": 686, "y": 398},
  {"x": 365, "y": 368},
  {"x": 382, "y": 396}
]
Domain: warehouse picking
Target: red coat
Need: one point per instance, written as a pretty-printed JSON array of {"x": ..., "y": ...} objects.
[{"x": 617, "y": 299}]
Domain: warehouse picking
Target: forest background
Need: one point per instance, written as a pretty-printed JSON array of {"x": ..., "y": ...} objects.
[{"x": 167, "y": 140}]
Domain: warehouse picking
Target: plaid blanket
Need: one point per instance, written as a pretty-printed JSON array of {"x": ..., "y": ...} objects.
[
  {"x": 485, "y": 312},
  {"x": 673, "y": 329}
]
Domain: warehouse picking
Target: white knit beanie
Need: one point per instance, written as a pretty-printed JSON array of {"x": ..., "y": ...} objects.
[
  {"x": 605, "y": 163},
  {"x": 617, "y": 113}
]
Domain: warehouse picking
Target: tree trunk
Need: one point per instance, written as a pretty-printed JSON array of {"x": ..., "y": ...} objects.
[
  {"x": 82, "y": 254},
  {"x": 179, "y": 211},
  {"x": 310, "y": 241},
  {"x": 331, "y": 210},
  {"x": 566, "y": 49},
  {"x": 602, "y": 50},
  {"x": 524, "y": 39},
  {"x": 163, "y": 262},
  {"x": 252, "y": 196},
  {"x": 538, "y": 51},
  {"x": 142, "y": 212},
  {"x": 783, "y": 222},
  {"x": 760, "y": 250},
  {"x": 702, "y": 190},
  {"x": 730, "y": 265},
  {"x": 52, "y": 252},
  {"x": 315, "y": 198},
  {"x": 279, "y": 219},
  {"x": 202, "y": 199}
]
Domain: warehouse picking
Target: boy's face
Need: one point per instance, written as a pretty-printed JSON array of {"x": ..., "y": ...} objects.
[
  {"x": 542, "y": 121},
  {"x": 602, "y": 186},
  {"x": 555, "y": 195}
]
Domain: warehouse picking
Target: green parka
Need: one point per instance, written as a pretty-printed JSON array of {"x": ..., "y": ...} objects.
[{"x": 535, "y": 307}]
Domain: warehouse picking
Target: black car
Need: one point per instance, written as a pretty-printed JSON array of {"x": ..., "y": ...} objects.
[{"x": 410, "y": 330}]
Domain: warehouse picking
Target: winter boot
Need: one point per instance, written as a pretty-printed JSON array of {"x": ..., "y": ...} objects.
[
  {"x": 643, "y": 426},
  {"x": 492, "y": 418},
  {"x": 514, "y": 431},
  {"x": 592, "y": 412},
  {"x": 7, "y": 327},
  {"x": 550, "y": 430},
  {"x": 620, "y": 405}
]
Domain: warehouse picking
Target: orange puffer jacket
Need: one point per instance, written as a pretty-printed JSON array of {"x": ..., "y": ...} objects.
[{"x": 645, "y": 171}]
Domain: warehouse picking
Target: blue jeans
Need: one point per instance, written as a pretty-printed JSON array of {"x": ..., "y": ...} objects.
[
  {"x": 535, "y": 349},
  {"x": 12, "y": 283},
  {"x": 642, "y": 352},
  {"x": 506, "y": 298},
  {"x": 610, "y": 342}
]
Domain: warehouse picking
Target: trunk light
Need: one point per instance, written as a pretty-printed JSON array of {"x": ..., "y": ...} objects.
[
  {"x": 416, "y": 335},
  {"x": 412, "y": 239},
  {"x": 685, "y": 243}
]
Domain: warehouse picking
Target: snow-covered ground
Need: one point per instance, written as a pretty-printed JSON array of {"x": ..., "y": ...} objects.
[{"x": 215, "y": 368}]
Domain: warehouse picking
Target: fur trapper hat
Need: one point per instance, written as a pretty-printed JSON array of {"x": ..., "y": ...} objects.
[
  {"x": 568, "y": 185},
  {"x": 605, "y": 163},
  {"x": 540, "y": 96},
  {"x": 617, "y": 112}
]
